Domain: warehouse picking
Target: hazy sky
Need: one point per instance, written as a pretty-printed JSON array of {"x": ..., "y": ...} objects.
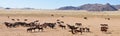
[{"x": 51, "y": 4}]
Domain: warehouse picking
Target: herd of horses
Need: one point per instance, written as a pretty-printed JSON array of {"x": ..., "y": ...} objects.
[{"x": 32, "y": 26}]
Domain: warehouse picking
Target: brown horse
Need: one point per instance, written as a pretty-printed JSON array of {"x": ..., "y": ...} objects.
[
  {"x": 107, "y": 18},
  {"x": 104, "y": 29},
  {"x": 52, "y": 15},
  {"x": 51, "y": 25},
  {"x": 9, "y": 25},
  {"x": 62, "y": 26},
  {"x": 57, "y": 20},
  {"x": 13, "y": 19},
  {"x": 18, "y": 19},
  {"x": 62, "y": 16},
  {"x": 85, "y": 18},
  {"x": 25, "y": 19},
  {"x": 30, "y": 29},
  {"x": 78, "y": 24},
  {"x": 80, "y": 30},
  {"x": 60, "y": 22},
  {"x": 39, "y": 27},
  {"x": 87, "y": 29},
  {"x": 72, "y": 28},
  {"x": 104, "y": 24}
]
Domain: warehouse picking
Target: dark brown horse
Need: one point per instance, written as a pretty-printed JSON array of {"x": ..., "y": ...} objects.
[
  {"x": 107, "y": 18},
  {"x": 39, "y": 27},
  {"x": 9, "y": 25},
  {"x": 80, "y": 30},
  {"x": 60, "y": 22},
  {"x": 51, "y": 25},
  {"x": 57, "y": 20},
  {"x": 104, "y": 29},
  {"x": 87, "y": 29},
  {"x": 52, "y": 15},
  {"x": 62, "y": 16},
  {"x": 36, "y": 21},
  {"x": 85, "y": 18},
  {"x": 30, "y": 29},
  {"x": 25, "y": 19},
  {"x": 72, "y": 28},
  {"x": 78, "y": 24},
  {"x": 18, "y": 19},
  {"x": 104, "y": 24},
  {"x": 62, "y": 26},
  {"x": 13, "y": 19}
]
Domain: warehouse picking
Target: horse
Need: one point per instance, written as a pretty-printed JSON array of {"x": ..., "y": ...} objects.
[
  {"x": 104, "y": 24},
  {"x": 36, "y": 21},
  {"x": 13, "y": 19},
  {"x": 39, "y": 27},
  {"x": 85, "y": 18},
  {"x": 18, "y": 19},
  {"x": 107, "y": 18},
  {"x": 87, "y": 29},
  {"x": 10, "y": 25},
  {"x": 62, "y": 26},
  {"x": 104, "y": 29},
  {"x": 60, "y": 22},
  {"x": 73, "y": 28},
  {"x": 52, "y": 15},
  {"x": 80, "y": 30},
  {"x": 78, "y": 24},
  {"x": 57, "y": 20},
  {"x": 30, "y": 29},
  {"x": 51, "y": 25},
  {"x": 25, "y": 19},
  {"x": 62, "y": 16},
  {"x": 20, "y": 23},
  {"x": 31, "y": 24}
]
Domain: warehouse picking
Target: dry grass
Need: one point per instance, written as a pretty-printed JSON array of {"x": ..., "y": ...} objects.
[
  {"x": 69, "y": 13},
  {"x": 71, "y": 17}
]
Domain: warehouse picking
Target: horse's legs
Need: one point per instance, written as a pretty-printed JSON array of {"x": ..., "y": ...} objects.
[
  {"x": 42, "y": 29},
  {"x": 72, "y": 31},
  {"x": 81, "y": 32},
  {"x": 63, "y": 27},
  {"x": 34, "y": 30}
]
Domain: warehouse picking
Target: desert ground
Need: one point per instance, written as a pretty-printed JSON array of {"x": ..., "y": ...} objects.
[{"x": 70, "y": 17}]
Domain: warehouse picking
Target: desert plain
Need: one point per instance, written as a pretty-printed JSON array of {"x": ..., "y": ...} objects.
[{"x": 94, "y": 19}]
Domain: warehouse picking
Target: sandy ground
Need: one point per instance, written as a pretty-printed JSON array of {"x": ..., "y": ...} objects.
[{"x": 92, "y": 22}]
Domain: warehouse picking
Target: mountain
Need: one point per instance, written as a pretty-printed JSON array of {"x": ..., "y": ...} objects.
[
  {"x": 91, "y": 7},
  {"x": 109, "y": 7},
  {"x": 117, "y": 6},
  {"x": 100, "y": 7},
  {"x": 68, "y": 8}
]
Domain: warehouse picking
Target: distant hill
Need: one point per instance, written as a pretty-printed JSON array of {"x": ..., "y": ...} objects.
[
  {"x": 69, "y": 8},
  {"x": 117, "y": 6},
  {"x": 92, "y": 7},
  {"x": 109, "y": 7}
]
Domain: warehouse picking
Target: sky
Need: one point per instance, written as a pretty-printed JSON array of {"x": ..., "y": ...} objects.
[{"x": 51, "y": 4}]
